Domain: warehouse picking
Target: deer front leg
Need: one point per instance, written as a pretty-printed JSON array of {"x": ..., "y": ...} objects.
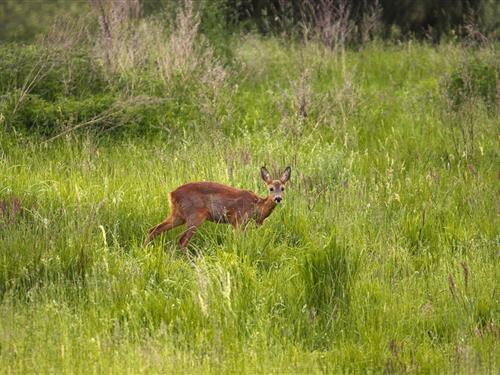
[
  {"x": 259, "y": 222},
  {"x": 236, "y": 224},
  {"x": 192, "y": 224},
  {"x": 238, "y": 221}
]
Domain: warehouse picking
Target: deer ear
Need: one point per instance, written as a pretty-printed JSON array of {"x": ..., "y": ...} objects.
[
  {"x": 265, "y": 175},
  {"x": 286, "y": 175}
]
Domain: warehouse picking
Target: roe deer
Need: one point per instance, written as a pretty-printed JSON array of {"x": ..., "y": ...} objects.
[{"x": 193, "y": 203}]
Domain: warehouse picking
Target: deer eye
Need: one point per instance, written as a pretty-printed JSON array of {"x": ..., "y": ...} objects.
[
  {"x": 283, "y": 188},
  {"x": 271, "y": 189}
]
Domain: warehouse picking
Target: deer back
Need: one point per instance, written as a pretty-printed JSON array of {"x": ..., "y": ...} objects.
[{"x": 218, "y": 202}]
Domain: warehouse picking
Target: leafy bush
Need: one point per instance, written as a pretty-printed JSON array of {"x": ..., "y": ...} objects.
[
  {"x": 73, "y": 76},
  {"x": 48, "y": 117},
  {"x": 50, "y": 73},
  {"x": 102, "y": 111}
]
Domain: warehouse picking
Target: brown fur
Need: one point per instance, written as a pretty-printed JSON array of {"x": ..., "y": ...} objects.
[{"x": 193, "y": 203}]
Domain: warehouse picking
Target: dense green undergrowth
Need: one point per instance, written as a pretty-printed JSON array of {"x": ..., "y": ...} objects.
[{"x": 383, "y": 256}]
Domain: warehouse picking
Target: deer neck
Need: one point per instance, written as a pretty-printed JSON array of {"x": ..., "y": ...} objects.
[{"x": 265, "y": 207}]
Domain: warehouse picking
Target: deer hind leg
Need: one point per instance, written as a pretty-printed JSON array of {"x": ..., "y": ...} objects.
[
  {"x": 192, "y": 223},
  {"x": 170, "y": 222}
]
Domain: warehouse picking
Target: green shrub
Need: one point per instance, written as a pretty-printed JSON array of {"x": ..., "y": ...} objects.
[
  {"x": 50, "y": 74},
  {"x": 139, "y": 115},
  {"x": 48, "y": 117}
]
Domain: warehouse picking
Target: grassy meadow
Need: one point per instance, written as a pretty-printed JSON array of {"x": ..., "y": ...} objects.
[{"x": 383, "y": 256}]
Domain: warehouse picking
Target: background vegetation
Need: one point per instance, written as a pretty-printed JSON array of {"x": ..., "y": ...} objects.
[
  {"x": 382, "y": 258},
  {"x": 23, "y": 20}
]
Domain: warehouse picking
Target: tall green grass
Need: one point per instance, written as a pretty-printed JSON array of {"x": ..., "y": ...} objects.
[{"x": 382, "y": 257}]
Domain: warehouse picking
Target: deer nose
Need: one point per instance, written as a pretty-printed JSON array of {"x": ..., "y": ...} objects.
[{"x": 277, "y": 199}]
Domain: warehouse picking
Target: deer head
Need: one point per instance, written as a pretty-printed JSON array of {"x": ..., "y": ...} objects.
[{"x": 275, "y": 187}]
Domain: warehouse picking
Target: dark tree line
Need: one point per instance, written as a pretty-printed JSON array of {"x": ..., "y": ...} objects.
[
  {"x": 23, "y": 20},
  {"x": 412, "y": 17}
]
